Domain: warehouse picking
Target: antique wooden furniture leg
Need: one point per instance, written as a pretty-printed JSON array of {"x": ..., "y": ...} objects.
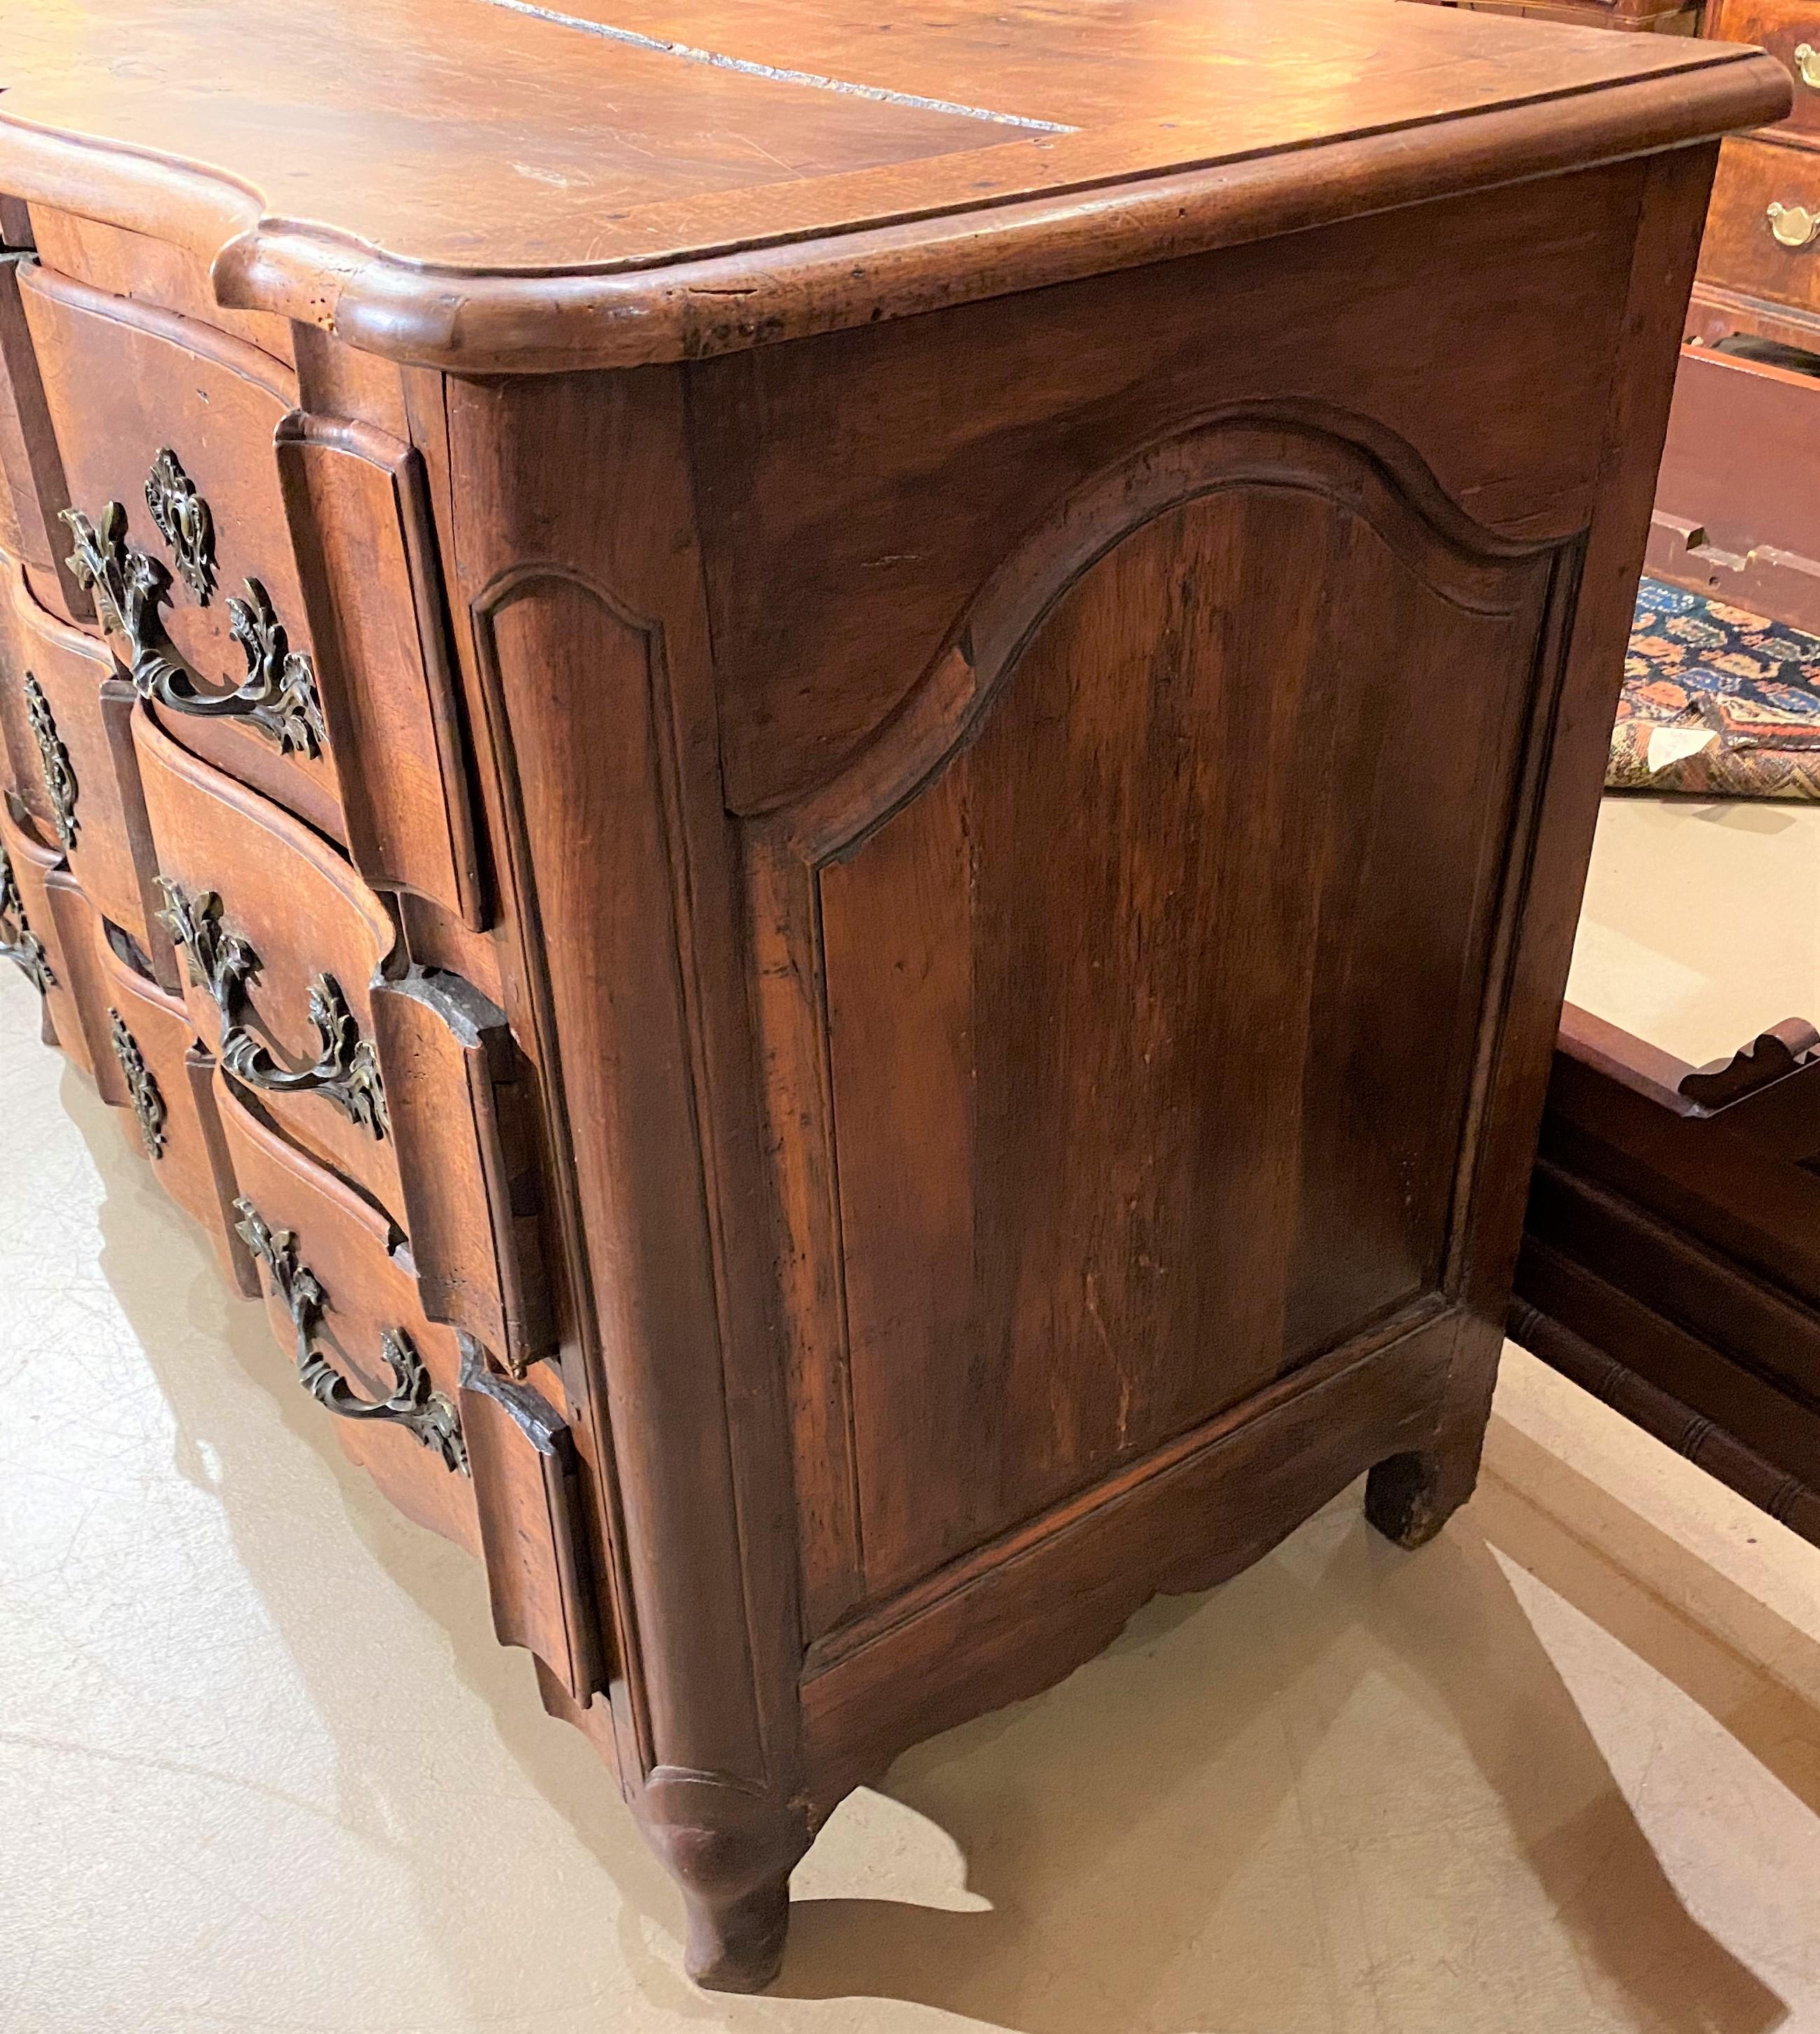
[
  {"x": 1409, "y": 1497},
  {"x": 834, "y": 816},
  {"x": 735, "y": 1884}
]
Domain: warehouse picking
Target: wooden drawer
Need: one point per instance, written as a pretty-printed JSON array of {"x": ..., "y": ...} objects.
[
  {"x": 342, "y": 1292},
  {"x": 1741, "y": 250},
  {"x": 488, "y": 1462},
  {"x": 15, "y": 730},
  {"x": 1789, "y": 29},
  {"x": 413, "y": 1087},
  {"x": 32, "y": 495},
  {"x": 289, "y": 577},
  {"x": 34, "y": 925},
  {"x": 281, "y": 942},
  {"x": 192, "y": 567},
  {"x": 167, "y": 1081},
  {"x": 69, "y": 725},
  {"x": 24, "y": 767}
]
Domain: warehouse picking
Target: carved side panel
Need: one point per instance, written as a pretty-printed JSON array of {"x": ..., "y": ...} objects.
[{"x": 1139, "y": 980}]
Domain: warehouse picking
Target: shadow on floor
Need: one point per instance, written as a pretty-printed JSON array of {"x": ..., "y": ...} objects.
[{"x": 1348, "y": 1781}]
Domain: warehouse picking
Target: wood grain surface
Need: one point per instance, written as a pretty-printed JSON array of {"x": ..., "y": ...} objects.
[
  {"x": 1148, "y": 912},
  {"x": 458, "y": 181},
  {"x": 964, "y": 914}
]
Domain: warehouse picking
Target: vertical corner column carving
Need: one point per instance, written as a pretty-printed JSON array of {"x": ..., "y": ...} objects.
[{"x": 586, "y": 628}]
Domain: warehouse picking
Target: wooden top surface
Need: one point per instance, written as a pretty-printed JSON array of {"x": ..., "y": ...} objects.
[{"x": 456, "y": 180}]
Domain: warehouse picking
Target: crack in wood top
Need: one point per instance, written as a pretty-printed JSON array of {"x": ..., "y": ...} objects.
[
  {"x": 779, "y": 74},
  {"x": 500, "y": 186}
]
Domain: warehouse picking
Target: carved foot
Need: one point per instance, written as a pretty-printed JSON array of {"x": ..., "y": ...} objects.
[
  {"x": 736, "y": 1945},
  {"x": 1409, "y": 1497},
  {"x": 1406, "y": 1499},
  {"x": 735, "y": 1885}
]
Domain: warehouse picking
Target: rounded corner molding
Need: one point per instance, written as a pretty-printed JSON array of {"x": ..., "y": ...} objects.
[{"x": 691, "y": 304}]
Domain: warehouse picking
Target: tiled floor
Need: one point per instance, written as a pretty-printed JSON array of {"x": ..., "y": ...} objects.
[{"x": 263, "y": 1767}]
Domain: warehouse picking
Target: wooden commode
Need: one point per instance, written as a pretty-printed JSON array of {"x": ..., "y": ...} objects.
[{"x": 827, "y": 788}]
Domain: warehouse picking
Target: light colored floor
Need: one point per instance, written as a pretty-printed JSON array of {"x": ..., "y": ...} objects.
[
  {"x": 1701, "y": 924},
  {"x": 263, "y": 1767}
]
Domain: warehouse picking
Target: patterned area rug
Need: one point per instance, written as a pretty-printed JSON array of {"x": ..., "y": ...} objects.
[{"x": 1717, "y": 703}]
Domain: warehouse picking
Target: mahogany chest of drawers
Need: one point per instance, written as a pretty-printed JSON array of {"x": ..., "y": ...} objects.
[{"x": 827, "y": 791}]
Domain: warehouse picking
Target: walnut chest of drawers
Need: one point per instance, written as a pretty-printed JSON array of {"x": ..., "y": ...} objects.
[{"x": 827, "y": 791}]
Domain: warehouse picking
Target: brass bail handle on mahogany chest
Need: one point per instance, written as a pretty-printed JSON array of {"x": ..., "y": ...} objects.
[
  {"x": 415, "y": 1404},
  {"x": 1793, "y": 225},
  {"x": 18, "y": 943},
  {"x": 346, "y": 1070},
  {"x": 278, "y": 695}
]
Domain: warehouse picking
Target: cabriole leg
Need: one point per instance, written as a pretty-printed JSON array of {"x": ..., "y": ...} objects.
[{"x": 735, "y": 1885}]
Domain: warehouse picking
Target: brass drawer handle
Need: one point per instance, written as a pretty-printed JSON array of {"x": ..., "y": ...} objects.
[
  {"x": 18, "y": 943},
  {"x": 346, "y": 1070},
  {"x": 142, "y": 1089},
  {"x": 60, "y": 784},
  {"x": 277, "y": 694},
  {"x": 1793, "y": 225},
  {"x": 1807, "y": 65},
  {"x": 415, "y": 1404}
]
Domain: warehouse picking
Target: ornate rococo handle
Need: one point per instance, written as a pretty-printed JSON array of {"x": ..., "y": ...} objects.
[
  {"x": 414, "y": 1404},
  {"x": 1807, "y": 65},
  {"x": 18, "y": 943},
  {"x": 346, "y": 1070},
  {"x": 142, "y": 1089},
  {"x": 59, "y": 776},
  {"x": 278, "y": 694},
  {"x": 184, "y": 521}
]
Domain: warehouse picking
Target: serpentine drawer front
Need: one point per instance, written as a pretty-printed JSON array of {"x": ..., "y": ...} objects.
[
  {"x": 177, "y": 522},
  {"x": 845, "y": 779},
  {"x": 167, "y": 1081},
  {"x": 72, "y": 764},
  {"x": 279, "y": 942},
  {"x": 343, "y": 1298},
  {"x": 31, "y": 940}
]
